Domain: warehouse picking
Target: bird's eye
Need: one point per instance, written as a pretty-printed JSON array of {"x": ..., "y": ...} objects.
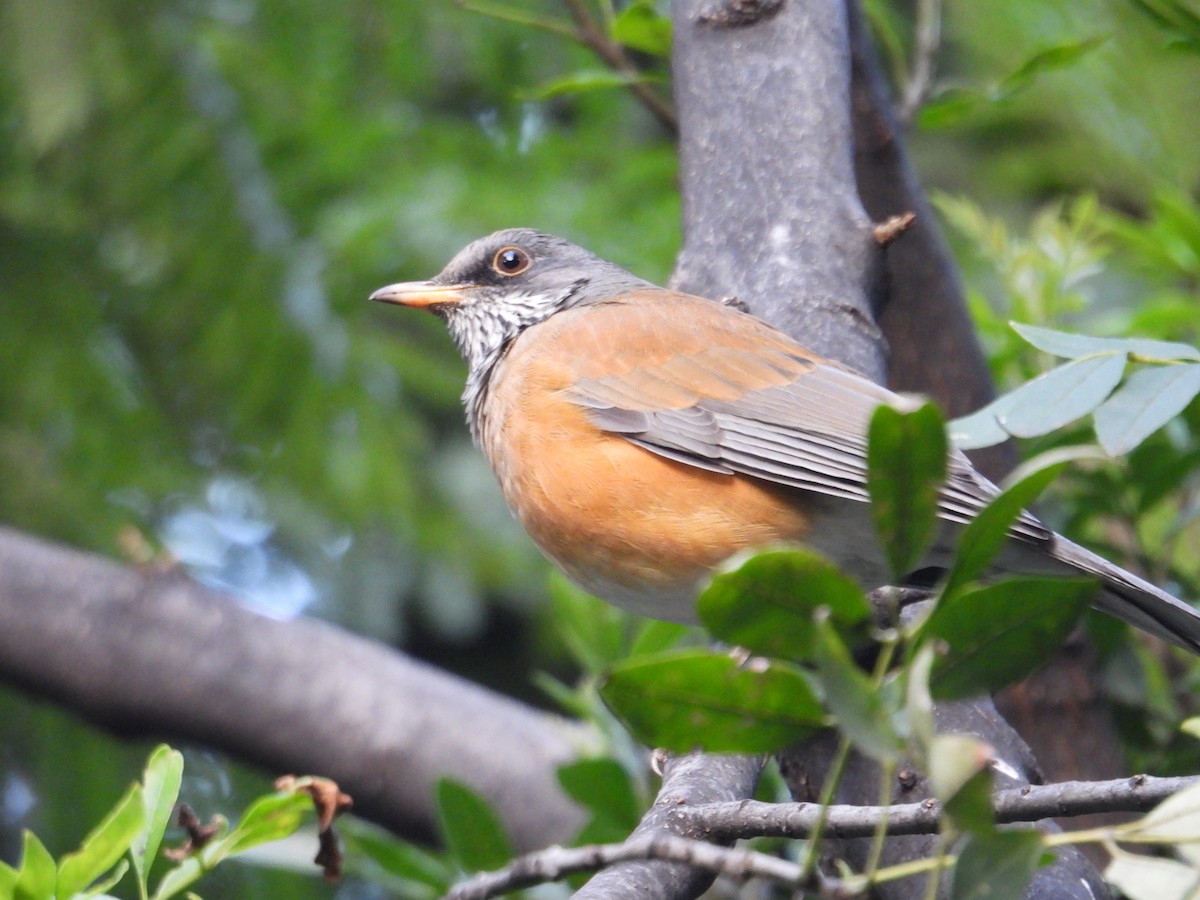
[{"x": 511, "y": 261}]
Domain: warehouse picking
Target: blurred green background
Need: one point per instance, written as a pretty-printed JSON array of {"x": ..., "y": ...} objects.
[{"x": 196, "y": 197}]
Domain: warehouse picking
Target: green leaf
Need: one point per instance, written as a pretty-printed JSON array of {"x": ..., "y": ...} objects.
[
  {"x": 1147, "y": 878},
  {"x": 160, "y": 789},
  {"x": 654, "y": 636},
  {"x": 1057, "y": 57},
  {"x": 594, "y": 631},
  {"x": 697, "y": 698},
  {"x": 473, "y": 833},
  {"x": 950, "y": 106},
  {"x": 104, "y": 885},
  {"x": 401, "y": 860},
  {"x": 906, "y": 466},
  {"x": 955, "y": 759},
  {"x": 1148, "y": 400},
  {"x": 996, "y": 866},
  {"x": 853, "y": 698},
  {"x": 766, "y": 602},
  {"x": 589, "y": 80},
  {"x": 1062, "y": 395},
  {"x": 1077, "y": 346},
  {"x": 269, "y": 818},
  {"x": 604, "y": 789},
  {"x": 1174, "y": 821},
  {"x": 1000, "y": 633},
  {"x": 640, "y": 27},
  {"x": 104, "y": 845},
  {"x": 8, "y": 879},
  {"x": 982, "y": 539},
  {"x": 37, "y": 874}
]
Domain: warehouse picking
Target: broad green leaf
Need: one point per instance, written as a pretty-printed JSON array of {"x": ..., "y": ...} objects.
[
  {"x": 8, "y": 879},
  {"x": 766, "y": 602},
  {"x": 1062, "y": 395},
  {"x": 471, "y": 828},
  {"x": 982, "y": 539},
  {"x": 998, "y": 634},
  {"x": 697, "y": 698},
  {"x": 854, "y": 700},
  {"x": 160, "y": 789},
  {"x": 1050, "y": 59},
  {"x": 1147, "y": 400},
  {"x": 996, "y": 866},
  {"x": 37, "y": 873},
  {"x": 906, "y": 466},
  {"x": 640, "y": 27},
  {"x": 1077, "y": 346},
  {"x": 604, "y": 789},
  {"x": 1147, "y": 878},
  {"x": 983, "y": 427},
  {"x": 104, "y": 845}
]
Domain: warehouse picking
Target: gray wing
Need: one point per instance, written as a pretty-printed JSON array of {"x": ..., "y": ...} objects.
[{"x": 807, "y": 432}]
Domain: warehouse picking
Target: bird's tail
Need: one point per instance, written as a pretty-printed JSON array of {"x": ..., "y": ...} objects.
[{"x": 1133, "y": 599}]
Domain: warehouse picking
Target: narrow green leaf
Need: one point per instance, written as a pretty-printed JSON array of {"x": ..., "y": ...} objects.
[
  {"x": 471, "y": 828},
  {"x": 108, "y": 882},
  {"x": 654, "y": 636},
  {"x": 603, "y": 787},
  {"x": 766, "y": 602},
  {"x": 8, "y": 879},
  {"x": 1147, "y": 400},
  {"x": 160, "y": 789},
  {"x": 589, "y": 80},
  {"x": 1050, "y": 59},
  {"x": 1000, "y": 633},
  {"x": 996, "y": 866},
  {"x": 1062, "y": 395},
  {"x": 982, "y": 539},
  {"x": 853, "y": 699},
  {"x": 104, "y": 845},
  {"x": 950, "y": 106},
  {"x": 1077, "y": 346},
  {"x": 697, "y": 698},
  {"x": 37, "y": 874},
  {"x": 400, "y": 860},
  {"x": 640, "y": 27},
  {"x": 906, "y": 466}
]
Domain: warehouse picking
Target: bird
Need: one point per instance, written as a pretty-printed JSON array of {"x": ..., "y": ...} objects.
[{"x": 643, "y": 436}]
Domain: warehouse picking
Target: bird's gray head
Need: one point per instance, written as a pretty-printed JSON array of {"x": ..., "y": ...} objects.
[{"x": 498, "y": 286}]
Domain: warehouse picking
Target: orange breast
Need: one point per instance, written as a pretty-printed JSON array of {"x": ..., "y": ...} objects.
[{"x": 635, "y": 528}]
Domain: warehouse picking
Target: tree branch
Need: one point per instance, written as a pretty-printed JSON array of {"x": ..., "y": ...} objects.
[
  {"x": 691, "y": 780},
  {"x": 752, "y": 818},
  {"x": 152, "y": 653}
]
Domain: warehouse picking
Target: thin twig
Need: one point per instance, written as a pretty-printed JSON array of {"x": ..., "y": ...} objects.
[
  {"x": 504, "y": 13},
  {"x": 751, "y": 818},
  {"x": 555, "y": 863},
  {"x": 928, "y": 38},
  {"x": 593, "y": 36}
]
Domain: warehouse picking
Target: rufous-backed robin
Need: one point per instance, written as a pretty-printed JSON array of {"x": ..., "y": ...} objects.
[{"x": 643, "y": 436}]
